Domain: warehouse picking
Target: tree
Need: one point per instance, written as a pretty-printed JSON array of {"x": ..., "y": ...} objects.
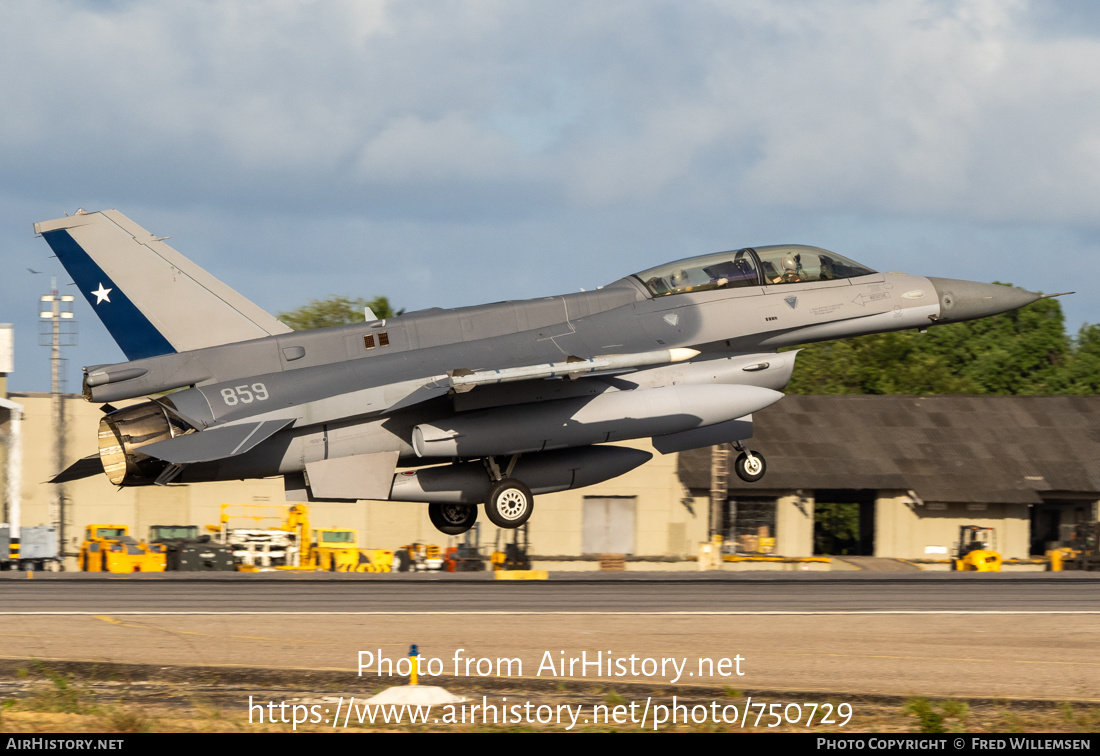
[
  {"x": 1024, "y": 351},
  {"x": 335, "y": 310},
  {"x": 1083, "y": 368},
  {"x": 836, "y": 528}
]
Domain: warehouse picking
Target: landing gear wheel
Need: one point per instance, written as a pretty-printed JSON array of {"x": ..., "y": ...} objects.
[
  {"x": 750, "y": 466},
  {"x": 452, "y": 519},
  {"x": 509, "y": 503}
]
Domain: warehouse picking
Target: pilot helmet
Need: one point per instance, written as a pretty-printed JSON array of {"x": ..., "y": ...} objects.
[{"x": 788, "y": 262}]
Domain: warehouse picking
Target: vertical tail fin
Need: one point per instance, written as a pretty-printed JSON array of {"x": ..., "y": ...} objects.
[{"x": 152, "y": 299}]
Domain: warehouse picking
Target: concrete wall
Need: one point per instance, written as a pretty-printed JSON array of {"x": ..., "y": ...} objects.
[
  {"x": 907, "y": 529},
  {"x": 794, "y": 525}
]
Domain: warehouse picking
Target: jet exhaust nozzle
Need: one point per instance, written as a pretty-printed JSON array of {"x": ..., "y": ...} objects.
[{"x": 124, "y": 432}]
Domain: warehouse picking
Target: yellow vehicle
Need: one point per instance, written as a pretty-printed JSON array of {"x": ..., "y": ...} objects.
[
  {"x": 977, "y": 553},
  {"x": 337, "y": 550},
  {"x": 110, "y": 548}
]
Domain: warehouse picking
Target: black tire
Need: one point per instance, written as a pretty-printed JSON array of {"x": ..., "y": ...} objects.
[
  {"x": 750, "y": 468},
  {"x": 452, "y": 519},
  {"x": 509, "y": 503}
]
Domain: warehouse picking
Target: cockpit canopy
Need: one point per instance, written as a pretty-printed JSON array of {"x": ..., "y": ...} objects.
[{"x": 757, "y": 266}]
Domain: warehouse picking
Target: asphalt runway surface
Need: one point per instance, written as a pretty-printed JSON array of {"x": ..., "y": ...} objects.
[
  {"x": 454, "y": 593},
  {"x": 987, "y": 636}
]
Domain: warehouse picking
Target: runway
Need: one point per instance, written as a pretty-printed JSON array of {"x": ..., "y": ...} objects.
[
  {"x": 1031, "y": 636},
  {"x": 658, "y": 594}
]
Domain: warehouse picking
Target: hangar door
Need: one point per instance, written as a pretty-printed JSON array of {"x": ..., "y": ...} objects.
[
  {"x": 608, "y": 525},
  {"x": 1053, "y": 522},
  {"x": 844, "y": 522}
]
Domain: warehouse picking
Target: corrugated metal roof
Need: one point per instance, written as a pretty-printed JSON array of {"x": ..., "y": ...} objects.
[{"x": 946, "y": 448}]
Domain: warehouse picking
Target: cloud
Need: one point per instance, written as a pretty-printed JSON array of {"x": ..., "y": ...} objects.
[
  {"x": 904, "y": 107},
  {"x": 605, "y": 135}
]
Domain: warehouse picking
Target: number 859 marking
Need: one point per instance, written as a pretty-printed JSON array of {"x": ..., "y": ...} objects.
[{"x": 245, "y": 394}]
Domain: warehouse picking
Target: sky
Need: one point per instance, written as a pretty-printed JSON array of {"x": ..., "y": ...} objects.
[{"x": 454, "y": 153}]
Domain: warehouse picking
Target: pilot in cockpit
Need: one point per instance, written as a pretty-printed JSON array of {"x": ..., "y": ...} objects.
[{"x": 792, "y": 269}]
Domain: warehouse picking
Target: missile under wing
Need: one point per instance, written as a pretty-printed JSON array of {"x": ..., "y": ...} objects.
[{"x": 484, "y": 405}]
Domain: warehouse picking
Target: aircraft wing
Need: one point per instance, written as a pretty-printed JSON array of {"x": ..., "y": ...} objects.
[
  {"x": 391, "y": 397},
  {"x": 216, "y": 443}
]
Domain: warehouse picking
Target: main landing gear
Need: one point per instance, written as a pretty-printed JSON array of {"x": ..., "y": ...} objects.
[
  {"x": 452, "y": 519},
  {"x": 508, "y": 504},
  {"x": 750, "y": 465}
]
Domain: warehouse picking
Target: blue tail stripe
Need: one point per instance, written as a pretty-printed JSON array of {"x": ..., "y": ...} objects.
[{"x": 131, "y": 330}]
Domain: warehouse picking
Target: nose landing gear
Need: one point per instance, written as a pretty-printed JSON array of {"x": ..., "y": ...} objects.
[{"x": 749, "y": 465}]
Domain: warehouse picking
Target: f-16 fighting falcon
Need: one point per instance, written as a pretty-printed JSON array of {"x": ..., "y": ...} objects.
[{"x": 482, "y": 405}]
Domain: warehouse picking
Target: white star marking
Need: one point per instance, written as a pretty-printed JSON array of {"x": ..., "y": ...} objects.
[{"x": 101, "y": 294}]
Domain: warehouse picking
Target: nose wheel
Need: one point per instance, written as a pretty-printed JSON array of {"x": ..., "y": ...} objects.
[{"x": 750, "y": 466}]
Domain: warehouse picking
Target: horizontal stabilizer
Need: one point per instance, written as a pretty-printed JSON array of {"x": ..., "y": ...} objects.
[
  {"x": 82, "y": 468},
  {"x": 217, "y": 443},
  {"x": 152, "y": 299}
]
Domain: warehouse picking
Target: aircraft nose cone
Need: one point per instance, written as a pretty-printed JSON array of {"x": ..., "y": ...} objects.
[{"x": 968, "y": 300}]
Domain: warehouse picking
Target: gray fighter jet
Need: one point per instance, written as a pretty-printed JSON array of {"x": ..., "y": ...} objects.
[{"x": 490, "y": 404}]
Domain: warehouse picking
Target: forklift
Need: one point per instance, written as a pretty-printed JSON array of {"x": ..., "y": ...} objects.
[
  {"x": 466, "y": 556},
  {"x": 514, "y": 556},
  {"x": 1080, "y": 551},
  {"x": 977, "y": 550}
]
